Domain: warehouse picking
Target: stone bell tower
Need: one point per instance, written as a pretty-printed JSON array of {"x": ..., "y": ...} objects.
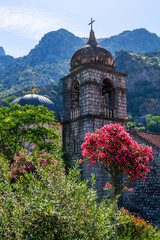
[{"x": 94, "y": 94}]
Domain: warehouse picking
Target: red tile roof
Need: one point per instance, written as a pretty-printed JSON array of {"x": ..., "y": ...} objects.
[{"x": 153, "y": 138}]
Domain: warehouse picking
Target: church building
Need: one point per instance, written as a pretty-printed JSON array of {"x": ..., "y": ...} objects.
[{"x": 94, "y": 95}]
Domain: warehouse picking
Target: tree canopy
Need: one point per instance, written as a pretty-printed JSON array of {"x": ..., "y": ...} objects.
[{"x": 23, "y": 126}]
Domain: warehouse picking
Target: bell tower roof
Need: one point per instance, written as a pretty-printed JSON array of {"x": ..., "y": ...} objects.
[
  {"x": 92, "y": 39},
  {"x": 92, "y": 53}
]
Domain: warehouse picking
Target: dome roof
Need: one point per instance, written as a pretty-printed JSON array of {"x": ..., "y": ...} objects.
[
  {"x": 37, "y": 100},
  {"x": 92, "y": 52}
]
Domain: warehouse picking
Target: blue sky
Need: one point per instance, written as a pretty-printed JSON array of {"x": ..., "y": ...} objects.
[{"x": 24, "y": 22}]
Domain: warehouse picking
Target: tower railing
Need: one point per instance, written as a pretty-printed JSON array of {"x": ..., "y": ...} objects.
[
  {"x": 109, "y": 112},
  {"x": 74, "y": 113}
]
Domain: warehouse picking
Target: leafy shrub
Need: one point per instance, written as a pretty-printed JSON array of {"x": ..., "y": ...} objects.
[
  {"x": 30, "y": 162},
  {"x": 56, "y": 206},
  {"x": 135, "y": 228},
  {"x": 53, "y": 206}
]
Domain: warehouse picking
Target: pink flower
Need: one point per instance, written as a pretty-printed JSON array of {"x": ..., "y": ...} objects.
[
  {"x": 22, "y": 155},
  {"x": 108, "y": 184},
  {"x": 80, "y": 161},
  {"x": 89, "y": 164},
  {"x": 126, "y": 188},
  {"x": 42, "y": 161},
  {"x": 124, "y": 210},
  {"x": 16, "y": 158},
  {"x": 34, "y": 146},
  {"x": 14, "y": 176},
  {"x": 46, "y": 154},
  {"x": 131, "y": 189},
  {"x": 21, "y": 170}
]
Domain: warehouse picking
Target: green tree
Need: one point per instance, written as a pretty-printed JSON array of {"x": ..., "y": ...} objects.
[
  {"x": 24, "y": 126},
  {"x": 131, "y": 123},
  {"x": 153, "y": 123}
]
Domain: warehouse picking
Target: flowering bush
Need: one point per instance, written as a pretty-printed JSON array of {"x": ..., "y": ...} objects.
[
  {"x": 112, "y": 148},
  {"x": 57, "y": 206},
  {"x": 30, "y": 162},
  {"x": 136, "y": 228}
]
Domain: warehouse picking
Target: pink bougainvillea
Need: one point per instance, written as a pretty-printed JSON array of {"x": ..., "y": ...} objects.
[
  {"x": 115, "y": 149},
  {"x": 80, "y": 161},
  {"x": 112, "y": 148}
]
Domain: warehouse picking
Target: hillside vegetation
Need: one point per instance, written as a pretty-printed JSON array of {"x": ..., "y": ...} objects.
[
  {"x": 143, "y": 81},
  {"x": 49, "y": 61}
]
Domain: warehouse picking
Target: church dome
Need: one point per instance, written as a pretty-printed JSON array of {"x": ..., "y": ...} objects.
[
  {"x": 37, "y": 100},
  {"x": 93, "y": 53}
]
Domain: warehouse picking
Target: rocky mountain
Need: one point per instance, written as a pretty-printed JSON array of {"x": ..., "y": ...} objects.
[
  {"x": 49, "y": 61},
  {"x": 2, "y": 52},
  {"x": 143, "y": 81},
  {"x": 5, "y": 61},
  {"x": 138, "y": 40},
  {"x": 54, "y": 47}
]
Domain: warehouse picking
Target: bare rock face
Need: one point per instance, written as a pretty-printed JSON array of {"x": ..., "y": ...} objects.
[
  {"x": 54, "y": 47},
  {"x": 143, "y": 81},
  {"x": 138, "y": 40},
  {"x": 2, "y": 52}
]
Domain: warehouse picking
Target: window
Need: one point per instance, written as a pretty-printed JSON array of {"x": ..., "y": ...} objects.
[
  {"x": 108, "y": 98},
  {"x": 75, "y": 94}
]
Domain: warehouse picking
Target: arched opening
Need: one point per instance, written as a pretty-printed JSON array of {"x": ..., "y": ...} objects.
[
  {"x": 75, "y": 94},
  {"x": 108, "y": 98}
]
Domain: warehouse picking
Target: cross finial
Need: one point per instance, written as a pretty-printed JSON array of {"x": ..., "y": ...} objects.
[
  {"x": 91, "y": 23},
  {"x": 33, "y": 88}
]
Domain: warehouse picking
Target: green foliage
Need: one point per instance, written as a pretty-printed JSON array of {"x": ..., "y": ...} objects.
[
  {"x": 24, "y": 126},
  {"x": 153, "y": 123},
  {"x": 135, "y": 125},
  {"x": 19, "y": 76},
  {"x": 134, "y": 228},
  {"x": 52, "y": 207},
  {"x": 59, "y": 206},
  {"x": 8, "y": 99}
]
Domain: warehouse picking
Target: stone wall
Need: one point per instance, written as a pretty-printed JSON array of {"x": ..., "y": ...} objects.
[
  {"x": 144, "y": 201},
  {"x": 90, "y": 93}
]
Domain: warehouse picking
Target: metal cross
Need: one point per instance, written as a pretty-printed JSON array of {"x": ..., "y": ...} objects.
[
  {"x": 91, "y": 23},
  {"x": 33, "y": 88}
]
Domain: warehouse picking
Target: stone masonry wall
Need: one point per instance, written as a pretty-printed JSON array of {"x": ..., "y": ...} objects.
[
  {"x": 144, "y": 201},
  {"x": 90, "y": 93}
]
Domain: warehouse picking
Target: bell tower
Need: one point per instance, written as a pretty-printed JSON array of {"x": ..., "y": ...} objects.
[{"x": 94, "y": 94}]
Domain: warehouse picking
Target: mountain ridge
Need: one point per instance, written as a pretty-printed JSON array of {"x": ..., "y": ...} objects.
[
  {"x": 49, "y": 61},
  {"x": 138, "y": 40}
]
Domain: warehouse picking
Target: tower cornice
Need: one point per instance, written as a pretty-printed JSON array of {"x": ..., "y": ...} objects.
[
  {"x": 92, "y": 66},
  {"x": 95, "y": 117}
]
